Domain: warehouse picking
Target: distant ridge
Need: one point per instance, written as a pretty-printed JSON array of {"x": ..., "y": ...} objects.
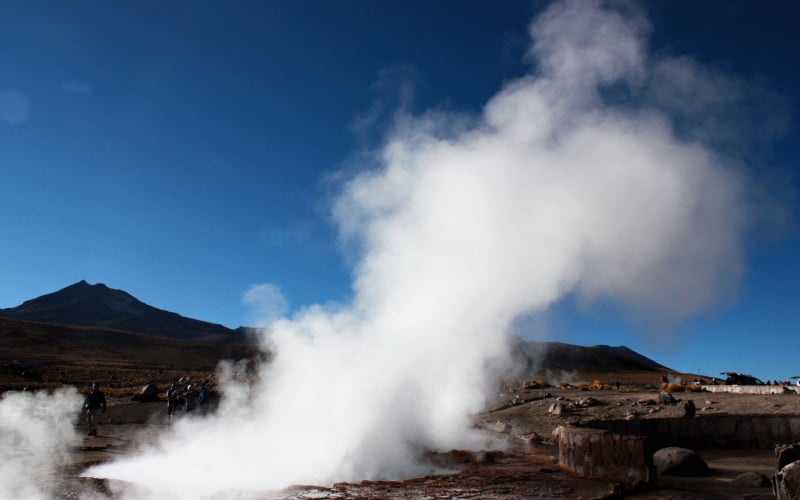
[
  {"x": 82, "y": 305},
  {"x": 535, "y": 358},
  {"x": 97, "y": 305}
]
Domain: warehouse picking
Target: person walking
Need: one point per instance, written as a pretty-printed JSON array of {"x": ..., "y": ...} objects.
[{"x": 94, "y": 404}]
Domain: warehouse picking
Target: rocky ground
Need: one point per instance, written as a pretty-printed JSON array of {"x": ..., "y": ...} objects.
[{"x": 526, "y": 468}]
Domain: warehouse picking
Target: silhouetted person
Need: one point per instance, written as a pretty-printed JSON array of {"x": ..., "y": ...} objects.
[
  {"x": 190, "y": 397},
  {"x": 173, "y": 398},
  {"x": 95, "y": 403},
  {"x": 203, "y": 397}
]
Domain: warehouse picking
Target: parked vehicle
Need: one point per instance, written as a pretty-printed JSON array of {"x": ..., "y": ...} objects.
[{"x": 735, "y": 378}]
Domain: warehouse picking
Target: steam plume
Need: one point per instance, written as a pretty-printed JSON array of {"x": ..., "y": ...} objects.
[{"x": 461, "y": 228}]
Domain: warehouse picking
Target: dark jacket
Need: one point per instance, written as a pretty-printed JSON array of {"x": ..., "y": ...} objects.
[{"x": 95, "y": 400}]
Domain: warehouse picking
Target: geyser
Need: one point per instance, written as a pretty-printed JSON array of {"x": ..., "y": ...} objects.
[{"x": 460, "y": 229}]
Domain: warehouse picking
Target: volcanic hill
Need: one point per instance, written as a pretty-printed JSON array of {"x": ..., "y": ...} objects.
[{"x": 82, "y": 304}]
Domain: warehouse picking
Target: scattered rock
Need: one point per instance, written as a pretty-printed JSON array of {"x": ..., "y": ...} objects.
[
  {"x": 674, "y": 461},
  {"x": 502, "y": 427},
  {"x": 750, "y": 480},
  {"x": 557, "y": 409},
  {"x": 484, "y": 457},
  {"x": 587, "y": 402},
  {"x": 688, "y": 409},
  {"x": 666, "y": 398},
  {"x": 533, "y": 438}
]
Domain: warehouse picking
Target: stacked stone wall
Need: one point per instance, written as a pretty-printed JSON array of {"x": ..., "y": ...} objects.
[
  {"x": 710, "y": 431},
  {"x": 599, "y": 454},
  {"x": 622, "y": 450}
]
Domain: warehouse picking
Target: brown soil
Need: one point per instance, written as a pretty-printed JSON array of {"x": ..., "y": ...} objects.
[{"x": 527, "y": 468}]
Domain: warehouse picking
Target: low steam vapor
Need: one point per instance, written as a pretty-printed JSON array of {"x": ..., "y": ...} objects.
[
  {"x": 462, "y": 227},
  {"x": 35, "y": 430}
]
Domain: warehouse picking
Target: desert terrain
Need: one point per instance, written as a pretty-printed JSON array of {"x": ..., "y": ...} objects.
[{"x": 520, "y": 460}]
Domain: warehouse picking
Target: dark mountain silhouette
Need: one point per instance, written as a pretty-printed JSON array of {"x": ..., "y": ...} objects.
[
  {"x": 97, "y": 305},
  {"x": 535, "y": 358}
]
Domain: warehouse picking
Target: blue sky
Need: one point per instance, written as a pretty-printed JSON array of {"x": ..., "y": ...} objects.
[{"x": 185, "y": 151}]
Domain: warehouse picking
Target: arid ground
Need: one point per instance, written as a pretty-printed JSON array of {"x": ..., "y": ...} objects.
[{"x": 522, "y": 462}]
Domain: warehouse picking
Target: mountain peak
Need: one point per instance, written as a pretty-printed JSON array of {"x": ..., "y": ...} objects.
[
  {"x": 98, "y": 305},
  {"x": 86, "y": 284}
]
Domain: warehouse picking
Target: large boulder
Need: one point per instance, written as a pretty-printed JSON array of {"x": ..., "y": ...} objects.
[
  {"x": 750, "y": 480},
  {"x": 787, "y": 482},
  {"x": 674, "y": 461},
  {"x": 148, "y": 393},
  {"x": 687, "y": 409}
]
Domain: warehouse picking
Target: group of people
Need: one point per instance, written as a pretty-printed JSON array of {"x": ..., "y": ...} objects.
[
  {"x": 186, "y": 397},
  {"x": 192, "y": 399}
]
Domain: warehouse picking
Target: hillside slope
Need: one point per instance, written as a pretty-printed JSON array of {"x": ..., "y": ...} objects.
[{"x": 33, "y": 342}]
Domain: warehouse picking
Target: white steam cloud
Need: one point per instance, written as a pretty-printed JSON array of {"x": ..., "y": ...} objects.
[
  {"x": 35, "y": 431},
  {"x": 462, "y": 228}
]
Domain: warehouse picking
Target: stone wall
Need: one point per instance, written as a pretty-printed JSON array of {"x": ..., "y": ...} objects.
[
  {"x": 599, "y": 454},
  {"x": 751, "y": 389},
  {"x": 622, "y": 450},
  {"x": 710, "y": 431}
]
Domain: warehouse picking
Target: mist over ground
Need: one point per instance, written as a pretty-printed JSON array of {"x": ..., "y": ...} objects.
[
  {"x": 35, "y": 431},
  {"x": 461, "y": 226}
]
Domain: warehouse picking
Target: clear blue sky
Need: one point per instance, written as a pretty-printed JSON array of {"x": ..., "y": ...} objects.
[{"x": 185, "y": 151}]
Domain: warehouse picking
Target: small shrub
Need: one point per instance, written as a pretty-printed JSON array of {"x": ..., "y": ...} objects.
[
  {"x": 673, "y": 387},
  {"x": 583, "y": 386},
  {"x": 598, "y": 386}
]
